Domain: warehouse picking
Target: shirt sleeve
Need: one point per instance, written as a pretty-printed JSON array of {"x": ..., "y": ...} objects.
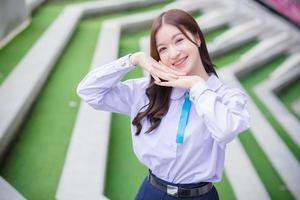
[
  {"x": 102, "y": 88},
  {"x": 224, "y": 111}
]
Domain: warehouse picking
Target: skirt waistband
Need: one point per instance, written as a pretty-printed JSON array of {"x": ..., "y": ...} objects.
[
  {"x": 179, "y": 191},
  {"x": 185, "y": 185}
]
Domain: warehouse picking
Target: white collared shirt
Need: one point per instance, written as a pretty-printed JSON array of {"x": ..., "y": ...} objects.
[{"x": 218, "y": 113}]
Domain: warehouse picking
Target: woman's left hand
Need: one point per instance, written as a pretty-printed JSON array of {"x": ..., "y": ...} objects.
[{"x": 183, "y": 82}]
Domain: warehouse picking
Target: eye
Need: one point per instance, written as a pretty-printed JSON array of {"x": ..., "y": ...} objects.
[
  {"x": 161, "y": 49},
  {"x": 178, "y": 40}
]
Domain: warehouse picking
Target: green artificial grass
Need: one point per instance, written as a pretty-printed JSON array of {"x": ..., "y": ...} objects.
[
  {"x": 15, "y": 50},
  {"x": 266, "y": 171},
  {"x": 231, "y": 56},
  {"x": 255, "y": 78},
  {"x": 289, "y": 95},
  {"x": 263, "y": 166},
  {"x": 269, "y": 176},
  {"x": 210, "y": 36},
  {"x": 35, "y": 162},
  {"x": 124, "y": 172},
  {"x": 224, "y": 188}
]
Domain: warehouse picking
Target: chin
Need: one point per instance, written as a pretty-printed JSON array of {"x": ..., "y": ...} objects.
[{"x": 187, "y": 69}]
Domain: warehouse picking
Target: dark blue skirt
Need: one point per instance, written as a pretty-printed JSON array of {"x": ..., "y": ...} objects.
[{"x": 149, "y": 192}]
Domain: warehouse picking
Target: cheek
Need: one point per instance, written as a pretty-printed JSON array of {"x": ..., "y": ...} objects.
[
  {"x": 164, "y": 59},
  {"x": 194, "y": 49}
]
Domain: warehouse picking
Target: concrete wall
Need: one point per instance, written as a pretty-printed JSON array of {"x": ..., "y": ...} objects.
[{"x": 13, "y": 14}]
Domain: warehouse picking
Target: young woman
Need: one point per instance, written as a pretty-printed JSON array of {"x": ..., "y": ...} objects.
[{"x": 182, "y": 114}]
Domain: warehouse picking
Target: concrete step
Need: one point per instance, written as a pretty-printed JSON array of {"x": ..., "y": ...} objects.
[
  {"x": 267, "y": 92},
  {"x": 7, "y": 192},
  {"x": 91, "y": 132},
  {"x": 30, "y": 74}
]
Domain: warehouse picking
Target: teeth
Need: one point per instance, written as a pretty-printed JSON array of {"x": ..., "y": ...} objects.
[{"x": 180, "y": 61}]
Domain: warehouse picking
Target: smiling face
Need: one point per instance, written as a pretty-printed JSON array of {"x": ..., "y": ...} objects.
[{"x": 176, "y": 50}]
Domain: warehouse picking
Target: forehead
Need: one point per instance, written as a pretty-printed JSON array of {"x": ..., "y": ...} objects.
[{"x": 166, "y": 32}]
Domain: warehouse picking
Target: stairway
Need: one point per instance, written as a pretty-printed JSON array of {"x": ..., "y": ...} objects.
[{"x": 84, "y": 152}]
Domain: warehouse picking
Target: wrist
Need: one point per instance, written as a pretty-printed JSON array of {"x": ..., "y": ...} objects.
[{"x": 134, "y": 58}]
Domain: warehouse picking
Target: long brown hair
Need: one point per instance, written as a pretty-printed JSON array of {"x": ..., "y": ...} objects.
[{"x": 159, "y": 96}]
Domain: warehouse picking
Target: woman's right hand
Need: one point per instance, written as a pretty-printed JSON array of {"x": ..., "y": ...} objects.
[{"x": 157, "y": 70}]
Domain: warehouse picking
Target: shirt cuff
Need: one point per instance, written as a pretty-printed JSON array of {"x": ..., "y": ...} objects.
[
  {"x": 123, "y": 63},
  {"x": 197, "y": 90}
]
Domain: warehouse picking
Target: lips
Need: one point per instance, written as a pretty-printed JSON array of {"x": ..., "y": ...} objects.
[{"x": 180, "y": 62}]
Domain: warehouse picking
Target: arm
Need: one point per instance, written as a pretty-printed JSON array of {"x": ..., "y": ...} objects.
[
  {"x": 223, "y": 109},
  {"x": 102, "y": 88}
]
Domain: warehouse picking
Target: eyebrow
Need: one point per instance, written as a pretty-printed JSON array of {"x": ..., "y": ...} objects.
[{"x": 171, "y": 38}]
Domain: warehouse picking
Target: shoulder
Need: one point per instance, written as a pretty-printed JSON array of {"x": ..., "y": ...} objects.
[{"x": 223, "y": 89}]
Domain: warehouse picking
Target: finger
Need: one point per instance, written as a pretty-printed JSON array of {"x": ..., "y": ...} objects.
[
  {"x": 156, "y": 78},
  {"x": 165, "y": 83},
  {"x": 167, "y": 76},
  {"x": 165, "y": 68},
  {"x": 163, "y": 75}
]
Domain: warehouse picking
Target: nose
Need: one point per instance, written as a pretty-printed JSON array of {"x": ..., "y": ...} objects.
[{"x": 174, "y": 53}]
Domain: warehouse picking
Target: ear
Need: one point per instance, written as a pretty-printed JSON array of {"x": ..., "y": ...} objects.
[{"x": 198, "y": 40}]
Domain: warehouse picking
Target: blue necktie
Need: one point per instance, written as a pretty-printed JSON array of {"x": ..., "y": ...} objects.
[{"x": 183, "y": 118}]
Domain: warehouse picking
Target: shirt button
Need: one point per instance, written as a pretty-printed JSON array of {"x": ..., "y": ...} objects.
[
  {"x": 123, "y": 63},
  {"x": 193, "y": 97}
]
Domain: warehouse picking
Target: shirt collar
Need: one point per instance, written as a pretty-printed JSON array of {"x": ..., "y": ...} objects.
[
  {"x": 213, "y": 83},
  {"x": 177, "y": 93}
]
